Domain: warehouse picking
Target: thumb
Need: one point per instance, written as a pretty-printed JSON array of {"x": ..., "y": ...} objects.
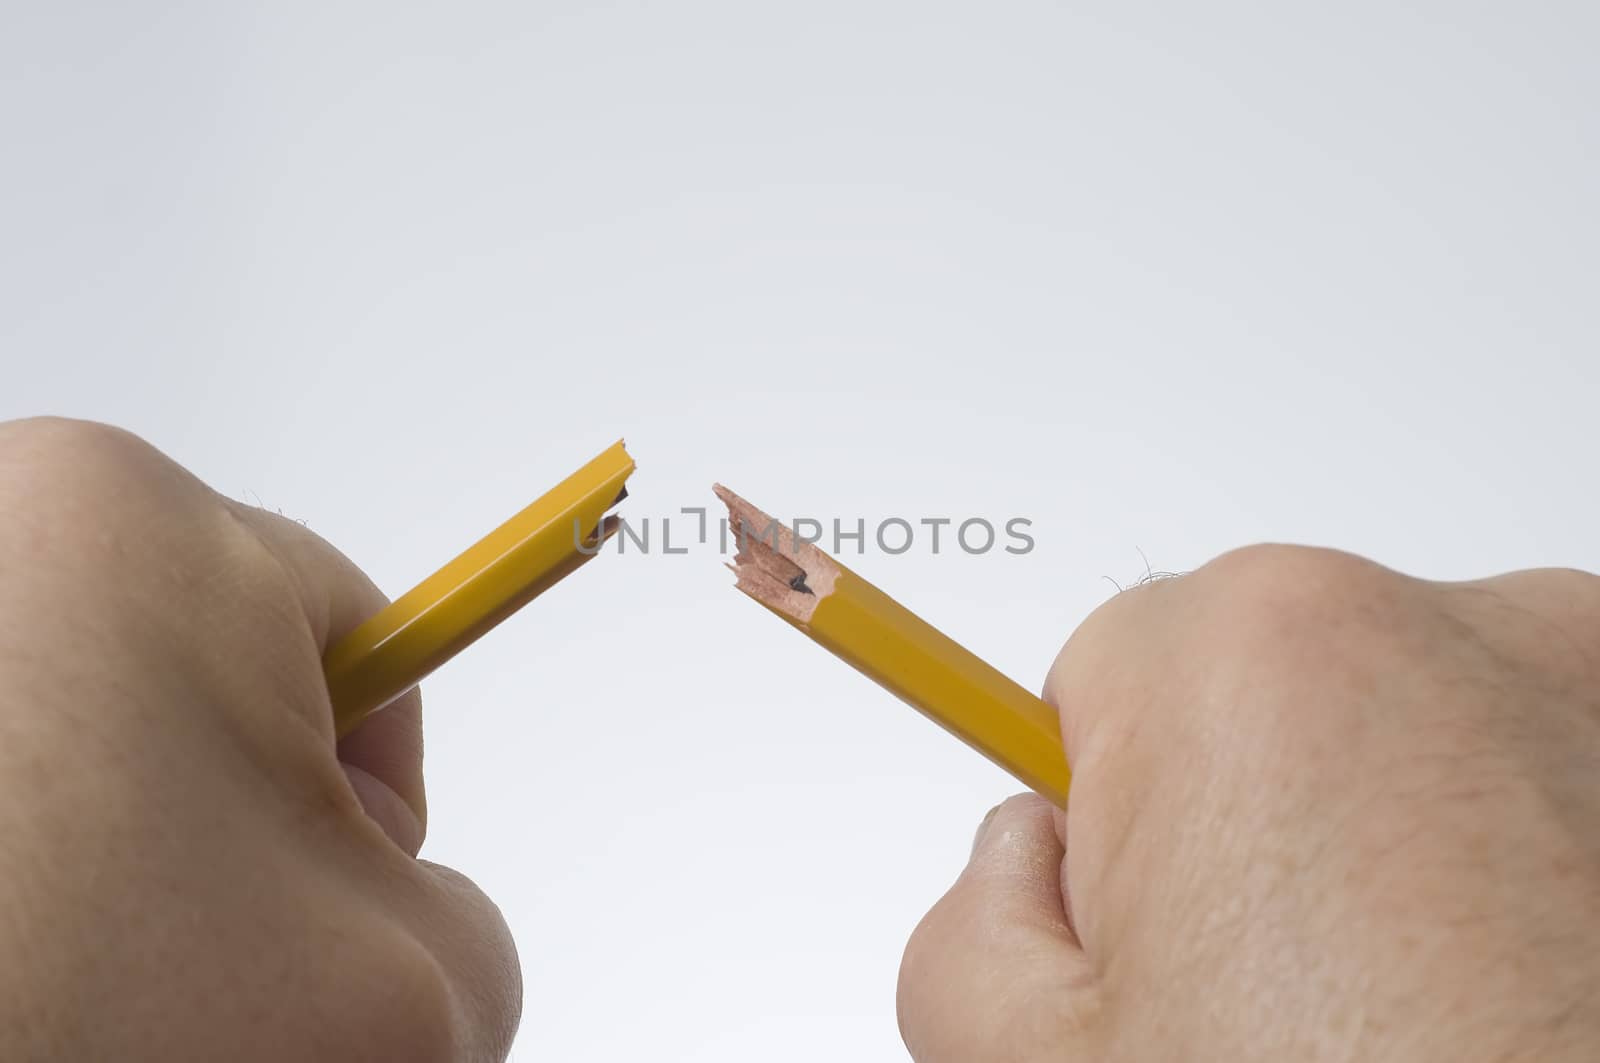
[{"x": 994, "y": 971}]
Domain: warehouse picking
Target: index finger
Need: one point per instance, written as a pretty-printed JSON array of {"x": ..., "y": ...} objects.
[{"x": 383, "y": 756}]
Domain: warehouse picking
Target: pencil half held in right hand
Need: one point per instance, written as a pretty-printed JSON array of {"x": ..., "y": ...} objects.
[{"x": 1320, "y": 811}]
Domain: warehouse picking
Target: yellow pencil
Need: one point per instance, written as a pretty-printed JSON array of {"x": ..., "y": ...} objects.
[
  {"x": 505, "y": 570},
  {"x": 888, "y": 643}
]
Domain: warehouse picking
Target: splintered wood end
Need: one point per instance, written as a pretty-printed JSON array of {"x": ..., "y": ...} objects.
[{"x": 773, "y": 567}]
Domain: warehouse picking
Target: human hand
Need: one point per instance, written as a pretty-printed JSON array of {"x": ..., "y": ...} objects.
[
  {"x": 192, "y": 868},
  {"x": 1320, "y": 811}
]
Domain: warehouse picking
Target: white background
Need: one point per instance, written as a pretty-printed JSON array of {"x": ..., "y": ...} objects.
[{"x": 1164, "y": 278}]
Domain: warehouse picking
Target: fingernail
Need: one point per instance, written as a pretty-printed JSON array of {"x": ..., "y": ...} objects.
[{"x": 983, "y": 828}]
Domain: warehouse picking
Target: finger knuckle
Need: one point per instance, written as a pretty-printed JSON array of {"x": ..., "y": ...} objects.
[
  {"x": 952, "y": 1003},
  {"x": 1542, "y": 622},
  {"x": 76, "y": 478},
  {"x": 60, "y": 449},
  {"x": 1575, "y": 589},
  {"x": 1268, "y": 596},
  {"x": 925, "y": 977},
  {"x": 916, "y": 962},
  {"x": 1279, "y": 566},
  {"x": 1281, "y": 626},
  {"x": 404, "y": 1006}
]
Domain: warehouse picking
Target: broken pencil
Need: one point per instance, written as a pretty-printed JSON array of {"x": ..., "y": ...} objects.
[
  {"x": 505, "y": 570},
  {"x": 887, "y": 642}
]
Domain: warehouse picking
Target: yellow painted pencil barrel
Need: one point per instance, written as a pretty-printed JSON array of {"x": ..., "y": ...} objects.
[
  {"x": 392, "y": 652},
  {"x": 934, "y": 674},
  {"x": 905, "y": 654}
]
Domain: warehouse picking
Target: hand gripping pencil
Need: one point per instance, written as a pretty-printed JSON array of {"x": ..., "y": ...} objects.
[
  {"x": 888, "y": 643},
  {"x": 493, "y": 578}
]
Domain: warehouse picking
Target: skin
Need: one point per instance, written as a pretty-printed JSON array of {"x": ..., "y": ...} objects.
[
  {"x": 1321, "y": 811},
  {"x": 193, "y": 869}
]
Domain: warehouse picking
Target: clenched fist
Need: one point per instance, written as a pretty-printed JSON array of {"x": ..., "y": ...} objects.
[
  {"x": 190, "y": 867},
  {"x": 1321, "y": 811}
]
